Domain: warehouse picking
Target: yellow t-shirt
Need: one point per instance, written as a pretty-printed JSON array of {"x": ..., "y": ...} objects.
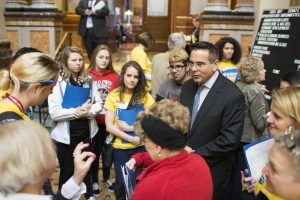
[
  {"x": 229, "y": 70},
  {"x": 112, "y": 102},
  {"x": 139, "y": 55},
  {"x": 6, "y": 106}
]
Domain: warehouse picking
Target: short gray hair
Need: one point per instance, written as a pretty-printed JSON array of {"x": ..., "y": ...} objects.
[{"x": 176, "y": 40}]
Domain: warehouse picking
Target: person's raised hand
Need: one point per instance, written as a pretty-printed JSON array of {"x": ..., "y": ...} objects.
[{"x": 82, "y": 162}]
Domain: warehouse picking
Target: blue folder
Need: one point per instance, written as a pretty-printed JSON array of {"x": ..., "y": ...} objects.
[
  {"x": 129, "y": 116},
  {"x": 75, "y": 96}
]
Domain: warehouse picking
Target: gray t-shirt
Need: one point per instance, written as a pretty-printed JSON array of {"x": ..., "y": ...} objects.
[{"x": 169, "y": 89}]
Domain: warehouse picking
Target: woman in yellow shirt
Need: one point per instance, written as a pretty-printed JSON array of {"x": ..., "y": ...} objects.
[
  {"x": 130, "y": 95},
  {"x": 229, "y": 56}
]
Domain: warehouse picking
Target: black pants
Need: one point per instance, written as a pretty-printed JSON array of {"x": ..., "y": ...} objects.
[
  {"x": 91, "y": 41},
  {"x": 65, "y": 159},
  {"x": 99, "y": 140}
]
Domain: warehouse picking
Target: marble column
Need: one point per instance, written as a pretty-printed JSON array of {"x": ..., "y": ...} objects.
[
  {"x": 5, "y": 52},
  {"x": 217, "y": 6},
  {"x": 40, "y": 21},
  {"x": 16, "y": 4},
  {"x": 42, "y": 4},
  {"x": 244, "y": 6}
]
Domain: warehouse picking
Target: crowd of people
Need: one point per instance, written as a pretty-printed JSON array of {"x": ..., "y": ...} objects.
[{"x": 186, "y": 145}]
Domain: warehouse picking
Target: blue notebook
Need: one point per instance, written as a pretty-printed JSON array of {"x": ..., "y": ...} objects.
[
  {"x": 129, "y": 116},
  {"x": 75, "y": 96}
]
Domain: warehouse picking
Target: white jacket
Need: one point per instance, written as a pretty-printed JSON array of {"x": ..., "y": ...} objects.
[{"x": 61, "y": 116}]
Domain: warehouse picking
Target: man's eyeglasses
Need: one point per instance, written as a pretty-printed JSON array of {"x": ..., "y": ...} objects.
[
  {"x": 198, "y": 65},
  {"x": 176, "y": 67}
]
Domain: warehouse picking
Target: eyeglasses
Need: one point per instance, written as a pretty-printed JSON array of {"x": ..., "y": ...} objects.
[
  {"x": 48, "y": 82},
  {"x": 176, "y": 67},
  {"x": 198, "y": 65}
]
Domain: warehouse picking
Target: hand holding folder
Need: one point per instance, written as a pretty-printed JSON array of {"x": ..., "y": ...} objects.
[
  {"x": 129, "y": 116},
  {"x": 129, "y": 181}
]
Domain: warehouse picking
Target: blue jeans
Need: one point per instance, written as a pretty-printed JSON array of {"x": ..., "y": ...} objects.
[{"x": 121, "y": 156}]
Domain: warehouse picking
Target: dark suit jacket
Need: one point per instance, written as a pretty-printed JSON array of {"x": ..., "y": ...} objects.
[
  {"x": 217, "y": 129},
  {"x": 99, "y": 22}
]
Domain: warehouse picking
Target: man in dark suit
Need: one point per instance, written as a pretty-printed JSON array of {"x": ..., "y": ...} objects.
[
  {"x": 217, "y": 116},
  {"x": 92, "y": 25}
]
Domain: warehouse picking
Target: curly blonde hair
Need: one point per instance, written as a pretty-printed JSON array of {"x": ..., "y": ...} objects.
[
  {"x": 249, "y": 69},
  {"x": 171, "y": 112}
]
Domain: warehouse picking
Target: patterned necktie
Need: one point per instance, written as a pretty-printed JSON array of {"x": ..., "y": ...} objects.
[{"x": 196, "y": 104}]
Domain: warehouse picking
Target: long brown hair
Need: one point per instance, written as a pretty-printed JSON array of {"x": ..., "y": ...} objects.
[
  {"x": 140, "y": 90},
  {"x": 94, "y": 55}
]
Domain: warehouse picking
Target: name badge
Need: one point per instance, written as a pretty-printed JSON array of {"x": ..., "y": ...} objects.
[{"x": 123, "y": 105}]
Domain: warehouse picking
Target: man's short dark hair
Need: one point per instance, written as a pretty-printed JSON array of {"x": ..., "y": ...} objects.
[
  {"x": 25, "y": 50},
  {"x": 203, "y": 45}
]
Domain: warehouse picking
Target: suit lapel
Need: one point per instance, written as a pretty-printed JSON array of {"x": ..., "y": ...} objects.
[{"x": 212, "y": 96}]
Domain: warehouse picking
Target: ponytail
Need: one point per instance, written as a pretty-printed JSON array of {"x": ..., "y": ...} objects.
[{"x": 5, "y": 81}]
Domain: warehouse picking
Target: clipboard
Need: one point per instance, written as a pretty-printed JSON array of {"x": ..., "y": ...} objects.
[
  {"x": 257, "y": 156},
  {"x": 75, "y": 96},
  {"x": 128, "y": 182}
]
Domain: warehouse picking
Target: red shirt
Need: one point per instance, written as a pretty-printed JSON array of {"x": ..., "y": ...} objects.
[
  {"x": 106, "y": 82},
  {"x": 184, "y": 176}
]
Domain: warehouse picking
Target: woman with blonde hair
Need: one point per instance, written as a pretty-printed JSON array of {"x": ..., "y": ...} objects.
[
  {"x": 181, "y": 175},
  {"x": 283, "y": 170},
  {"x": 73, "y": 124},
  {"x": 30, "y": 160},
  {"x": 31, "y": 78},
  {"x": 284, "y": 115},
  {"x": 251, "y": 73}
]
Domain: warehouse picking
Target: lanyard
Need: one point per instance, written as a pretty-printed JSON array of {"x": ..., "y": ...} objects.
[{"x": 15, "y": 101}]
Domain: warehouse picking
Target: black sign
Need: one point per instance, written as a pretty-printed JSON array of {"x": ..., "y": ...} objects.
[{"x": 277, "y": 43}]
